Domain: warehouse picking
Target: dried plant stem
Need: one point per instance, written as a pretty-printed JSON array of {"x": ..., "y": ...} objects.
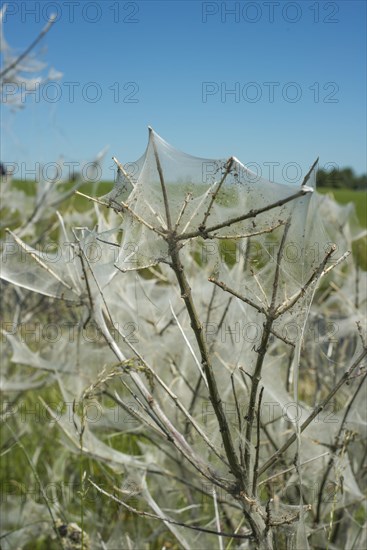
[
  {"x": 189, "y": 418},
  {"x": 161, "y": 179},
  {"x": 239, "y": 420},
  {"x": 16, "y": 62},
  {"x": 255, "y": 381},
  {"x": 173, "y": 435},
  {"x": 37, "y": 259},
  {"x": 261, "y": 351},
  {"x": 226, "y": 288},
  {"x": 318, "y": 272},
  {"x": 168, "y": 520},
  {"x": 251, "y": 214},
  {"x": 121, "y": 207},
  {"x": 251, "y": 507},
  {"x": 307, "y": 176},
  {"x": 205, "y": 361},
  {"x": 229, "y": 165},
  {"x": 182, "y": 211},
  {"x": 257, "y": 448},
  {"x": 176, "y": 265},
  {"x": 197, "y": 387},
  {"x": 246, "y": 235},
  {"x": 149, "y": 370}
]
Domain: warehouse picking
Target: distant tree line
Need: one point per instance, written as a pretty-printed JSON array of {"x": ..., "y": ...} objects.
[{"x": 344, "y": 178}]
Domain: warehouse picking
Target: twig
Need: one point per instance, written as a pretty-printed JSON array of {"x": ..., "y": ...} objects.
[
  {"x": 277, "y": 267},
  {"x": 226, "y": 288},
  {"x": 43, "y": 32},
  {"x": 182, "y": 211},
  {"x": 251, "y": 214},
  {"x": 175, "y": 399},
  {"x": 197, "y": 208},
  {"x": 199, "y": 489},
  {"x": 161, "y": 179},
  {"x": 287, "y": 470},
  {"x": 26, "y": 248},
  {"x": 247, "y": 235},
  {"x": 168, "y": 520},
  {"x": 217, "y": 519},
  {"x": 229, "y": 165},
  {"x": 120, "y": 207},
  {"x": 262, "y": 349},
  {"x": 197, "y": 362},
  {"x": 239, "y": 420},
  {"x": 197, "y": 387},
  {"x": 257, "y": 447},
  {"x": 318, "y": 272},
  {"x": 307, "y": 176},
  {"x": 205, "y": 360},
  {"x": 160, "y": 418},
  {"x": 123, "y": 171}
]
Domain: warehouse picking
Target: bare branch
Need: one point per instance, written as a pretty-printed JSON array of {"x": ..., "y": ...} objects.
[
  {"x": 188, "y": 198},
  {"x": 226, "y": 288},
  {"x": 161, "y": 178},
  {"x": 205, "y": 360},
  {"x": 229, "y": 165},
  {"x": 257, "y": 448},
  {"x": 247, "y": 235},
  {"x": 285, "y": 306},
  {"x": 43, "y": 32},
  {"x": 307, "y": 176},
  {"x": 251, "y": 214},
  {"x": 165, "y": 519},
  {"x": 121, "y": 207},
  {"x": 37, "y": 259}
]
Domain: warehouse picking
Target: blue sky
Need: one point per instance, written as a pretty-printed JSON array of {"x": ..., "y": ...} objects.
[{"x": 274, "y": 83}]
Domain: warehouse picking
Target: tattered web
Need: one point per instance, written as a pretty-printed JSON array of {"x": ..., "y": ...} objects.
[{"x": 252, "y": 250}]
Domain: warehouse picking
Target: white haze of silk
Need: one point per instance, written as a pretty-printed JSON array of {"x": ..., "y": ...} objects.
[{"x": 140, "y": 307}]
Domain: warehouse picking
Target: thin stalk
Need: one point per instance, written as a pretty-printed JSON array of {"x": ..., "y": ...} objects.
[
  {"x": 257, "y": 448},
  {"x": 261, "y": 351},
  {"x": 197, "y": 387},
  {"x": 307, "y": 176},
  {"x": 251, "y": 214},
  {"x": 229, "y": 165},
  {"x": 161, "y": 179},
  {"x": 173, "y": 435},
  {"x": 165, "y": 519},
  {"x": 205, "y": 361},
  {"x": 239, "y": 420},
  {"x": 177, "y": 267},
  {"x": 33, "y": 44}
]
